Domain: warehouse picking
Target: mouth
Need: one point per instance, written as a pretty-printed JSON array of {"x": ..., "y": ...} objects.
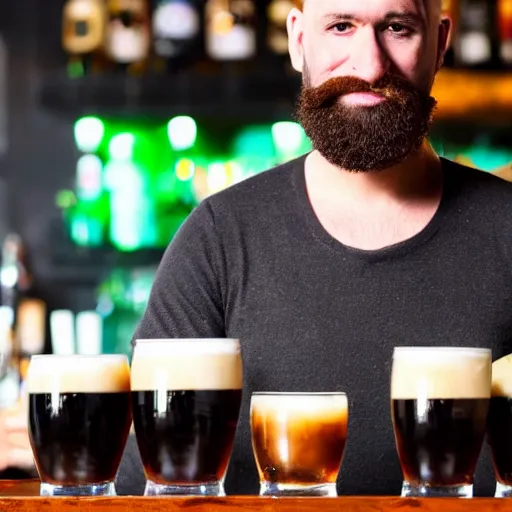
[{"x": 365, "y": 99}]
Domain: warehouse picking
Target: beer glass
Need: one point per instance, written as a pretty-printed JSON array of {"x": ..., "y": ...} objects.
[
  {"x": 298, "y": 442},
  {"x": 499, "y": 425},
  {"x": 186, "y": 397},
  {"x": 79, "y": 421},
  {"x": 439, "y": 402}
]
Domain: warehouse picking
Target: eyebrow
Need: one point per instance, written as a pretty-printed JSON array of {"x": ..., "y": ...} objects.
[{"x": 407, "y": 17}]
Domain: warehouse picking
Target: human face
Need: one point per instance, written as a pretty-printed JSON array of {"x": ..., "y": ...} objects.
[
  {"x": 369, "y": 39},
  {"x": 362, "y": 108}
]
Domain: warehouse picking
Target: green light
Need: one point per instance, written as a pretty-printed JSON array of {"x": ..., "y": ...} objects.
[
  {"x": 185, "y": 169},
  {"x": 126, "y": 229},
  {"x": 85, "y": 231},
  {"x": 88, "y": 177},
  {"x": 89, "y": 133},
  {"x": 288, "y": 137},
  {"x": 80, "y": 231},
  {"x": 121, "y": 146},
  {"x": 182, "y": 132},
  {"x": 132, "y": 224},
  {"x": 254, "y": 140},
  {"x": 65, "y": 199}
]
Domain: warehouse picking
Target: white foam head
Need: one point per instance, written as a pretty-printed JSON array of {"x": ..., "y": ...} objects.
[
  {"x": 78, "y": 374},
  {"x": 502, "y": 377},
  {"x": 300, "y": 406},
  {"x": 440, "y": 372},
  {"x": 186, "y": 364}
]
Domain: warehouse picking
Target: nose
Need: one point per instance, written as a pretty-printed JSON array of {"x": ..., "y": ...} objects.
[{"x": 368, "y": 59}]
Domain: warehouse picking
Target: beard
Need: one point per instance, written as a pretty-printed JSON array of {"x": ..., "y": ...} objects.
[{"x": 365, "y": 138}]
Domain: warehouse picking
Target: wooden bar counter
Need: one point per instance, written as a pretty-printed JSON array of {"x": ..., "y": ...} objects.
[{"x": 22, "y": 496}]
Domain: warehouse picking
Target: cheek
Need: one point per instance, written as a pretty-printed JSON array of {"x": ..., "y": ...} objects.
[
  {"x": 422, "y": 71},
  {"x": 412, "y": 61},
  {"x": 405, "y": 54},
  {"x": 324, "y": 61}
]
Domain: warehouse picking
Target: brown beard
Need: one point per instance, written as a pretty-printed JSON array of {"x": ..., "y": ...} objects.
[{"x": 359, "y": 138}]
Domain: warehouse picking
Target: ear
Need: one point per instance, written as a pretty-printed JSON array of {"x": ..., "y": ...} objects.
[
  {"x": 443, "y": 39},
  {"x": 294, "y": 25}
]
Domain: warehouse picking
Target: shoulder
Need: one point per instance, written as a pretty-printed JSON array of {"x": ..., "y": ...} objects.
[
  {"x": 484, "y": 203},
  {"x": 477, "y": 186}
]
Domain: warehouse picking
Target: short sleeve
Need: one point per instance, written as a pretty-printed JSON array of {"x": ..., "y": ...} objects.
[{"x": 186, "y": 299}]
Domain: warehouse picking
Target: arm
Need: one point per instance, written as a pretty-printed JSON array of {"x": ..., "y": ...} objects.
[{"x": 186, "y": 300}]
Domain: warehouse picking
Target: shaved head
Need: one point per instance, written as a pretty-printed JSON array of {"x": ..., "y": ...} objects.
[{"x": 435, "y": 5}]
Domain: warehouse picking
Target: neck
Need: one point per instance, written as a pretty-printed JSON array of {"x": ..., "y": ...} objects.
[
  {"x": 413, "y": 179},
  {"x": 371, "y": 210}
]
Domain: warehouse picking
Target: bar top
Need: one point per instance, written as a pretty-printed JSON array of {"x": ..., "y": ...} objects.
[{"x": 22, "y": 496}]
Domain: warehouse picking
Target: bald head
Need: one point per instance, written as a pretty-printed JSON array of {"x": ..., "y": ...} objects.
[{"x": 436, "y": 7}]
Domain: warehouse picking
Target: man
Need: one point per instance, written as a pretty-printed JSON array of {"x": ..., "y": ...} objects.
[{"x": 322, "y": 265}]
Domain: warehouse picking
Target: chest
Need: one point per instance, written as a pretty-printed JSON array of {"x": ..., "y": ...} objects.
[
  {"x": 371, "y": 226},
  {"x": 319, "y": 322}
]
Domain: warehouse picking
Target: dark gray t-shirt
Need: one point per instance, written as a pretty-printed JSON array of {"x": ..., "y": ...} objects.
[{"x": 253, "y": 262}]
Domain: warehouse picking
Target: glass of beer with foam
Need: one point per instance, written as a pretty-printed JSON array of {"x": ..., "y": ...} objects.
[
  {"x": 79, "y": 421},
  {"x": 186, "y": 397},
  {"x": 439, "y": 403},
  {"x": 298, "y": 442},
  {"x": 499, "y": 425}
]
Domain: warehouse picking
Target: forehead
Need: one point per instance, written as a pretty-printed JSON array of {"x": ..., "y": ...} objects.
[{"x": 317, "y": 9}]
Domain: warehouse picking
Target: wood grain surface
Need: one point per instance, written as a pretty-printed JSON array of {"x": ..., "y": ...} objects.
[{"x": 22, "y": 496}]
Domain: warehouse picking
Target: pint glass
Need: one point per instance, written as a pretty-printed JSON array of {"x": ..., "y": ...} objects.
[
  {"x": 79, "y": 421},
  {"x": 499, "y": 425},
  {"x": 439, "y": 403},
  {"x": 298, "y": 442},
  {"x": 186, "y": 397}
]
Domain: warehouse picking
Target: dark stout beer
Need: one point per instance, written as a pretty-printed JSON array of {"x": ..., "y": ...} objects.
[
  {"x": 439, "y": 441},
  {"x": 81, "y": 441},
  {"x": 439, "y": 404},
  {"x": 298, "y": 439},
  {"x": 499, "y": 427},
  {"x": 500, "y": 437},
  {"x": 79, "y": 417},
  {"x": 192, "y": 441},
  {"x": 186, "y": 397}
]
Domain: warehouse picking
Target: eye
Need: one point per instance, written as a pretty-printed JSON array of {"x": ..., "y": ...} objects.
[
  {"x": 399, "y": 29},
  {"x": 342, "y": 27}
]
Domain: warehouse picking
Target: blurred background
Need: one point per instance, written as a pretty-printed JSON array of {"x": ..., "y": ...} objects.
[{"x": 117, "y": 117}]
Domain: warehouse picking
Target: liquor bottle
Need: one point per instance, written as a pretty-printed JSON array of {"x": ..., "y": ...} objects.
[
  {"x": 128, "y": 38},
  {"x": 30, "y": 330},
  {"x": 504, "y": 17},
  {"x": 177, "y": 29},
  {"x": 16, "y": 280},
  {"x": 27, "y": 311},
  {"x": 83, "y": 32},
  {"x": 231, "y": 30},
  {"x": 89, "y": 223},
  {"x": 475, "y": 44}
]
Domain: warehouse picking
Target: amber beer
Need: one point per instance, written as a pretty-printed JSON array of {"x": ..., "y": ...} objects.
[
  {"x": 499, "y": 426},
  {"x": 440, "y": 400},
  {"x": 186, "y": 397},
  {"x": 79, "y": 421},
  {"x": 298, "y": 442}
]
